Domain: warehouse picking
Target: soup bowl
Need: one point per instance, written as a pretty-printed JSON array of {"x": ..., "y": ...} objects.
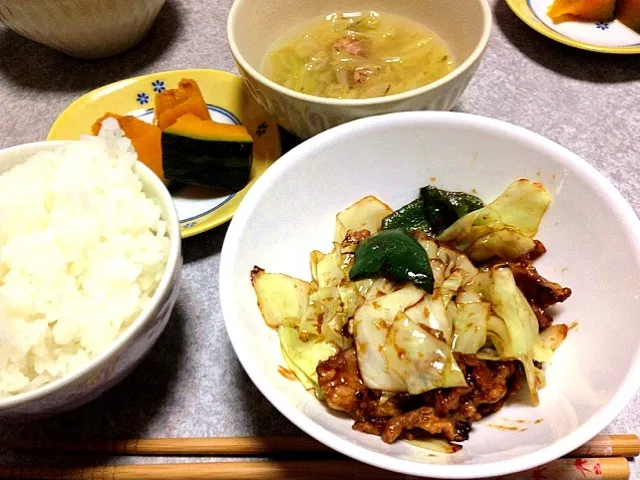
[{"x": 254, "y": 25}]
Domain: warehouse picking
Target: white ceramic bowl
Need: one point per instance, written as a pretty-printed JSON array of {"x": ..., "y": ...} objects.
[
  {"x": 254, "y": 25},
  {"x": 127, "y": 351},
  {"x": 82, "y": 28},
  {"x": 593, "y": 241}
]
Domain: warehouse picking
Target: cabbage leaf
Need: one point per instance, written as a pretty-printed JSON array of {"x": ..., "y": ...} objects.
[
  {"x": 370, "y": 328},
  {"x": 513, "y": 328},
  {"x": 302, "y": 358},
  {"x": 419, "y": 360},
  {"x": 365, "y": 214},
  {"x": 504, "y": 227},
  {"x": 470, "y": 323},
  {"x": 281, "y": 298},
  {"x": 396, "y": 353},
  {"x": 431, "y": 312}
]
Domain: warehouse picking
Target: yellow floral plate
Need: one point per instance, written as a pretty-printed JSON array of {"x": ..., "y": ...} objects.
[
  {"x": 609, "y": 37},
  {"x": 199, "y": 209}
]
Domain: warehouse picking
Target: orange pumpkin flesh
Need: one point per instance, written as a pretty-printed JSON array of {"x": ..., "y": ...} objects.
[
  {"x": 628, "y": 13},
  {"x": 172, "y": 104},
  {"x": 586, "y": 10},
  {"x": 145, "y": 137}
]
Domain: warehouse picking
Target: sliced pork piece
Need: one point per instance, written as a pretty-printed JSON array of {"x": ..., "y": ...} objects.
[{"x": 350, "y": 46}]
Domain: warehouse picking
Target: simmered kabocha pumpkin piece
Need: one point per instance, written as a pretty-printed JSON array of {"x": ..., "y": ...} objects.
[
  {"x": 628, "y": 13},
  {"x": 144, "y": 136},
  {"x": 204, "y": 152},
  {"x": 172, "y": 104},
  {"x": 587, "y": 10}
]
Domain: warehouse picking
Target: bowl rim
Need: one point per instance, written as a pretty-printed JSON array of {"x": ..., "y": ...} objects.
[
  {"x": 475, "y": 55},
  {"x": 628, "y": 387},
  {"x": 164, "y": 287}
]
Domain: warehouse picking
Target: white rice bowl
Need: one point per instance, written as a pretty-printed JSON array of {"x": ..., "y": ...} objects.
[{"x": 82, "y": 251}]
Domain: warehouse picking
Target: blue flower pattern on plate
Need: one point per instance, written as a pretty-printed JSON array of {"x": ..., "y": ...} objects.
[
  {"x": 602, "y": 25},
  {"x": 262, "y": 129},
  {"x": 158, "y": 86},
  {"x": 142, "y": 98}
]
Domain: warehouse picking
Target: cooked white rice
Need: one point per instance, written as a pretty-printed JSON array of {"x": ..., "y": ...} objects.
[{"x": 82, "y": 250}]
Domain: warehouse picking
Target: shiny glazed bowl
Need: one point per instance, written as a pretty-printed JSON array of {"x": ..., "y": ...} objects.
[
  {"x": 124, "y": 354},
  {"x": 254, "y": 25},
  {"x": 593, "y": 246},
  {"x": 82, "y": 28}
]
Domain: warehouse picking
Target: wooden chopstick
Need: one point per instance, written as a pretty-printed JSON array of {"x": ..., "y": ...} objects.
[
  {"x": 603, "y": 457},
  {"x": 183, "y": 446},
  {"x": 609, "y": 446},
  {"x": 612, "y": 468},
  {"x": 599, "y": 446}
]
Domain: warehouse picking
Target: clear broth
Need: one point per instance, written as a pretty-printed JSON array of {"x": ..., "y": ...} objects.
[{"x": 358, "y": 55}]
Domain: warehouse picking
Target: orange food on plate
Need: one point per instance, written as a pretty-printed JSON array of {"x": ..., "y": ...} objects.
[
  {"x": 586, "y": 10},
  {"x": 185, "y": 145},
  {"x": 172, "y": 104},
  {"x": 145, "y": 137},
  {"x": 628, "y": 13}
]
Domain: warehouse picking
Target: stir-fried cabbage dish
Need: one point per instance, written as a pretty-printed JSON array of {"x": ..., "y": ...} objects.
[
  {"x": 358, "y": 55},
  {"x": 422, "y": 320}
]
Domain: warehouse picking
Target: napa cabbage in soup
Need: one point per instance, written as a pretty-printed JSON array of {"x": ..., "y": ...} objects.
[{"x": 358, "y": 55}]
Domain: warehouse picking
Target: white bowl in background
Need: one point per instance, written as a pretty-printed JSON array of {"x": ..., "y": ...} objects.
[
  {"x": 593, "y": 241},
  {"x": 112, "y": 365},
  {"x": 254, "y": 25},
  {"x": 82, "y": 28}
]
